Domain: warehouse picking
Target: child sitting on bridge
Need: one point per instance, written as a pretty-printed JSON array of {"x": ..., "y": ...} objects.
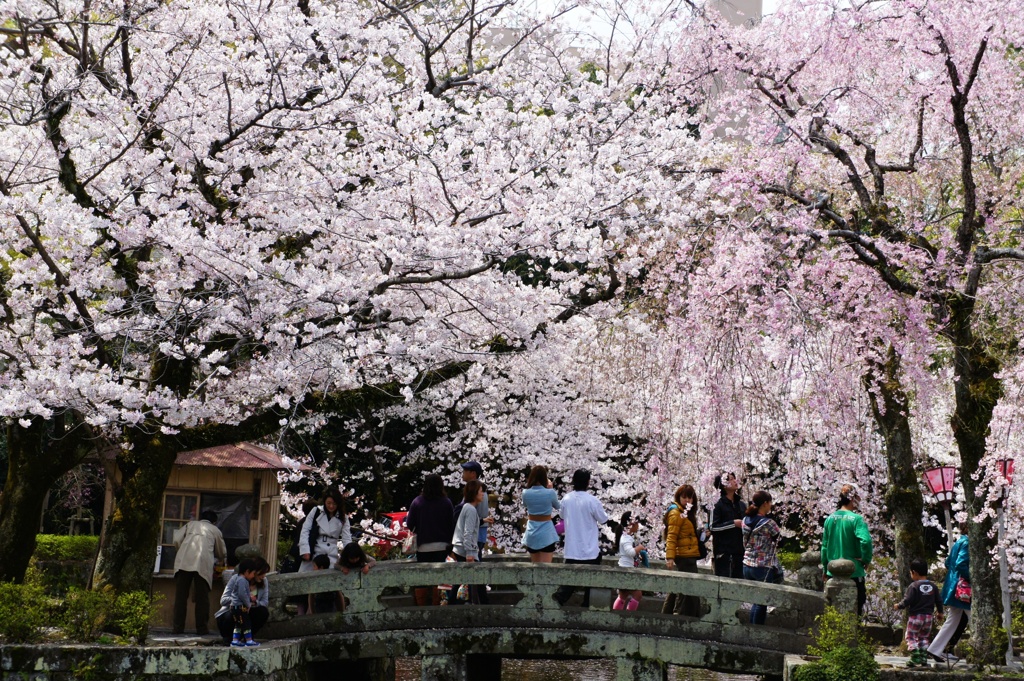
[
  {"x": 920, "y": 601},
  {"x": 241, "y": 601},
  {"x": 629, "y": 555}
]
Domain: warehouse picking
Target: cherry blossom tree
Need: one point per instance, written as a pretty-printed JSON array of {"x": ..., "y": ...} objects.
[
  {"x": 223, "y": 217},
  {"x": 890, "y": 132}
]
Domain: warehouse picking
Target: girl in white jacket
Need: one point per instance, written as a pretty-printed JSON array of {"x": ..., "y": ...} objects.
[{"x": 628, "y": 599}]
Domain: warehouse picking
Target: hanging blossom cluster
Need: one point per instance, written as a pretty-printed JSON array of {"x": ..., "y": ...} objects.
[{"x": 868, "y": 207}]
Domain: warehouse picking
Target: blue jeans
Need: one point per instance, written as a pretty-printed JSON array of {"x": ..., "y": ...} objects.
[{"x": 758, "y": 613}]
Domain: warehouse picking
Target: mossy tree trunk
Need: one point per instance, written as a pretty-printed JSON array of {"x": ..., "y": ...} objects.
[
  {"x": 977, "y": 391},
  {"x": 38, "y": 456},
  {"x": 903, "y": 498},
  {"x": 132, "y": 532}
]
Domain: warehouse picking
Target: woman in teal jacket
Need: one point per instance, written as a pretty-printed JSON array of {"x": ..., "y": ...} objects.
[{"x": 958, "y": 565}]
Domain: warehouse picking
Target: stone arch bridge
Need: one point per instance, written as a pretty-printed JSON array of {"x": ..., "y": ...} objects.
[
  {"x": 524, "y": 620},
  {"x": 463, "y": 643}
]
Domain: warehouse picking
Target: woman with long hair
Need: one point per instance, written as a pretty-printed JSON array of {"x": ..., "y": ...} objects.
[
  {"x": 540, "y": 501},
  {"x": 464, "y": 540},
  {"x": 761, "y": 548},
  {"x": 331, "y": 525},
  {"x": 430, "y": 519},
  {"x": 958, "y": 567},
  {"x": 324, "y": 527},
  {"x": 681, "y": 549}
]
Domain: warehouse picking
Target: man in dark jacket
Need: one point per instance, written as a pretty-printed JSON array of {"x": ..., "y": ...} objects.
[{"x": 726, "y": 527}]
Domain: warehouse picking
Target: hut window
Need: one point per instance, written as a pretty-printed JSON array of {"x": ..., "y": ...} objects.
[{"x": 178, "y": 510}]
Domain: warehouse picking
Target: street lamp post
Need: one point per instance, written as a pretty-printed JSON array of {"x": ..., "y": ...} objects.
[
  {"x": 942, "y": 481},
  {"x": 1006, "y": 473}
]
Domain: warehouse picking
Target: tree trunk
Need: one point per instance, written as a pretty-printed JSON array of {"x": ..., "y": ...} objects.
[
  {"x": 132, "y": 532},
  {"x": 903, "y": 497},
  {"x": 977, "y": 392},
  {"x": 35, "y": 464}
]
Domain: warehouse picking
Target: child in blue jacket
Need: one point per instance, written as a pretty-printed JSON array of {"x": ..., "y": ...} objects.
[{"x": 238, "y": 588}]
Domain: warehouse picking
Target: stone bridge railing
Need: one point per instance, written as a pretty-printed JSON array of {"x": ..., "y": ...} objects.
[
  {"x": 531, "y": 623},
  {"x": 463, "y": 643}
]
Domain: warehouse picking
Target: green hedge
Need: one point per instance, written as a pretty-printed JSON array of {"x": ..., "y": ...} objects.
[{"x": 65, "y": 547}]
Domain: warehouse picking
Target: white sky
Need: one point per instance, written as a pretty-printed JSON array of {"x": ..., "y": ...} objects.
[{"x": 592, "y": 24}]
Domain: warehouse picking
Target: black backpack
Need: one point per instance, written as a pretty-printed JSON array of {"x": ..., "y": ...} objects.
[{"x": 292, "y": 559}]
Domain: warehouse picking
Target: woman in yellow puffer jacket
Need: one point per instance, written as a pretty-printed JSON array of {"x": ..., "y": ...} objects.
[{"x": 681, "y": 549}]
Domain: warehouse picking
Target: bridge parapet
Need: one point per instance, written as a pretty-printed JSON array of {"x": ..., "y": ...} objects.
[{"x": 536, "y": 608}]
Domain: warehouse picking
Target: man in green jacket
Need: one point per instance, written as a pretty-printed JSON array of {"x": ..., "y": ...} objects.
[{"x": 846, "y": 536}]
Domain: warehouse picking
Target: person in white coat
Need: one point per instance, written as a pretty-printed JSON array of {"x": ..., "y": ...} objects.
[
  {"x": 199, "y": 543},
  {"x": 332, "y": 526},
  {"x": 325, "y": 526}
]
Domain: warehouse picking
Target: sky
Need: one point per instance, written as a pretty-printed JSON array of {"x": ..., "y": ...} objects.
[{"x": 596, "y": 27}]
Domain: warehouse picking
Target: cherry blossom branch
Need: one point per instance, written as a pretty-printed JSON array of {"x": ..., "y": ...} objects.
[
  {"x": 269, "y": 421},
  {"x": 431, "y": 278}
]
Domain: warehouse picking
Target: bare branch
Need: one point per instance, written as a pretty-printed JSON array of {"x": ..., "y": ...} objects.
[{"x": 987, "y": 255}]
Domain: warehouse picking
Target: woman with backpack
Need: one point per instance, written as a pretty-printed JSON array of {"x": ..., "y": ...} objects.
[
  {"x": 682, "y": 548},
  {"x": 324, "y": 527}
]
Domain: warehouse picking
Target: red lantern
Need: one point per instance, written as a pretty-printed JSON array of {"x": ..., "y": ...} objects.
[
  {"x": 941, "y": 481},
  {"x": 1006, "y": 470}
]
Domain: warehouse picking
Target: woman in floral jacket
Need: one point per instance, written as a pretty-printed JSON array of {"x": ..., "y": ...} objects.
[{"x": 761, "y": 546}]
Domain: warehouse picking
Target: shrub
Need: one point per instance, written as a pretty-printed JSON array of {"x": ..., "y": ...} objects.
[
  {"x": 132, "y": 614},
  {"x": 64, "y": 562},
  {"x": 283, "y": 545},
  {"x": 836, "y": 630},
  {"x": 89, "y": 613},
  {"x": 23, "y": 612},
  {"x": 845, "y": 653},
  {"x": 85, "y": 613},
  {"x": 841, "y": 664},
  {"x": 62, "y": 547},
  {"x": 790, "y": 561},
  {"x": 59, "y": 577}
]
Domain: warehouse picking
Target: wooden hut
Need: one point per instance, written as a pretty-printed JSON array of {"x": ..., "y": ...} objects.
[{"x": 239, "y": 483}]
